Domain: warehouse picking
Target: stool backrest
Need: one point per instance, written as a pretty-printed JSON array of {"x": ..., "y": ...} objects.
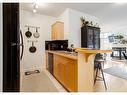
[
  {"x": 98, "y": 56},
  {"x": 96, "y": 60},
  {"x": 125, "y": 55}
]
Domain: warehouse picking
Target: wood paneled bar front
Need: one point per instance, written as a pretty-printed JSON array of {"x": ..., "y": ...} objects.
[{"x": 85, "y": 66}]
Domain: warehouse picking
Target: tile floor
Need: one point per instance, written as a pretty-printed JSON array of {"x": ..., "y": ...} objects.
[
  {"x": 37, "y": 82},
  {"x": 114, "y": 84}
]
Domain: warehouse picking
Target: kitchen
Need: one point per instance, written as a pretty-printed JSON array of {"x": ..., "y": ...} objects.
[
  {"x": 44, "y": 32},
  {"x": 60, "y": 22},
  {"x": 70, "y": 34}
]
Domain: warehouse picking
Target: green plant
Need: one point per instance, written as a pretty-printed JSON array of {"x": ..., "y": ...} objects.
[
  {"x": 119, "y": 37},
  {"x": 83, "y": 21}
]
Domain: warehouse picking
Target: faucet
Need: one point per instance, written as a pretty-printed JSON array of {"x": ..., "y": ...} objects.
[{"x": 72, "y": 48}]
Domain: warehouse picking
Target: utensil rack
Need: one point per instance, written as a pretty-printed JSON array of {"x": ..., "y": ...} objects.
[
  {"x": 32, "y": 26},
  {"x": 31, "y": 41}
]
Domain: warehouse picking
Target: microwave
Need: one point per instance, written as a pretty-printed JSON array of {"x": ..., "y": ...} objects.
[{"x": 56, "y": 45}]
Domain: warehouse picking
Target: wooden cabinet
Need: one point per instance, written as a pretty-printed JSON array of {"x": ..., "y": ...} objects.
[
  {"x": 71, "y": 75},
  {"x": 90, "y": 37},
  {"x": 59, "y": 72},
  {"x": 57, "y": 32},
  {"x": 65, "y": 71}
]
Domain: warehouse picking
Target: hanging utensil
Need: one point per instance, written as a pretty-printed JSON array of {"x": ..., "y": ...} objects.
[
  {"x": 36, "y": 35},
  {"x": 28, "y": 33},
  {"x": 32, "y": 49}
]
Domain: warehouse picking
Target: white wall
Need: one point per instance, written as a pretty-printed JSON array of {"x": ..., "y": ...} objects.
[
  {"x": 75, "y": 26},
  {"x": 72, "y": 25},
  {"x": 1, "y": 46},
  {"x": 32, "y": 61},
  {"x": 64, "y": 17}
]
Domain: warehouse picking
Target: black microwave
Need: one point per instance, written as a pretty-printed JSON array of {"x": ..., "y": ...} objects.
[{"x": 56, "y": 45}]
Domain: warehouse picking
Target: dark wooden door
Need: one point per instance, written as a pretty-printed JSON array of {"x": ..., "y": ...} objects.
[
  {"x": 96, "y": 38},
  {"x": 11, "y": 48},
  {"x": 90, "y": 37}
]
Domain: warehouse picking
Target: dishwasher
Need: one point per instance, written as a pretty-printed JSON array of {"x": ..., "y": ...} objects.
[{"x": 50, "y": 63}]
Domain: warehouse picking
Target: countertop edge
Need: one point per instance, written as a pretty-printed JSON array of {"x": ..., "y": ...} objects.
[{"x": 63, "y": 54}]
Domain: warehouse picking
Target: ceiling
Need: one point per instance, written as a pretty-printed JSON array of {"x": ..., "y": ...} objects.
[{"x": 108, "y": 13}]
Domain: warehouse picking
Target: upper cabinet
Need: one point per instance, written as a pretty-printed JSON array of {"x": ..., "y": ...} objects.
[
  {"x": 57, "y": 32},
  {"x": 90, "y": 37}
]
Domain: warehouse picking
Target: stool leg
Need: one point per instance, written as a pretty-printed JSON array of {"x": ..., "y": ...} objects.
[
  {"x": 96, "y": 75},
  {"x": 103, "y": 78},
  {"x": 103, "y": 64}
]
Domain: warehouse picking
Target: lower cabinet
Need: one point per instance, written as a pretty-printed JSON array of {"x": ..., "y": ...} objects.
[
  {"x": 71, "y": 76},
  {"x": 59, "y": 72},
  {"x": 65, "y": 71}
]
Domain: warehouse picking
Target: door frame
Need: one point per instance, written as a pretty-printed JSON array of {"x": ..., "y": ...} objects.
[{"x": 1, "y": 49}]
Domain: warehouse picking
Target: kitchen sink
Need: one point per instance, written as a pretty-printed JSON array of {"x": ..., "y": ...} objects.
[{"x": 68, "y": 53}]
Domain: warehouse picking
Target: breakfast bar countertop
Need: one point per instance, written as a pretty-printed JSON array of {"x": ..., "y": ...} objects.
[
  {"x": 88, "y": 50},
  {"x": 75, "y": 55}
]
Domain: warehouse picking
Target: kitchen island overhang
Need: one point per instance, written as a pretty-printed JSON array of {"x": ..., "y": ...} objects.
[{"x": 85, "y": 68}]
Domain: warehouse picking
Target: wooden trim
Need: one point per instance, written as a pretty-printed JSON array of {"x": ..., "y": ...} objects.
[
  {"x": 63, "y": 54},
  {"x": 85, "y": 50}
]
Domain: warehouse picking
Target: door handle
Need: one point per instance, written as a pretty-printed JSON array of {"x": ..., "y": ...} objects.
[
  {"x": 15, "y": 44},
  {"x": 22, "y": 44}
]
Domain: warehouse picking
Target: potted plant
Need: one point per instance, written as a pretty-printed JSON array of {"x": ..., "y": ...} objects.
[
  {"x": 120, "y": 37},
  {"x": 84, "y": 22}
]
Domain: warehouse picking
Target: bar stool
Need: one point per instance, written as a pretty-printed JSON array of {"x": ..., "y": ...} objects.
[
  {"x": 125, "y": 56},
  {"x": 98, "y": 68}
]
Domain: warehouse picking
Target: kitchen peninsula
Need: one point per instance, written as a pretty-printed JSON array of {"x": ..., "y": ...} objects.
[{"x": 74, "y": 71}]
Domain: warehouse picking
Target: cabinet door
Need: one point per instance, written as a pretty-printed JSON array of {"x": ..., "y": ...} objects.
[
  {"x": 61, "y": 72},
  {"x": 65, "y": 71},
  {"x": 60, "y": 31},
  {"x": 57, "y": 31},
  {"x": 54, "y": 33},
  {"x": 46, "y": 57},
  {"x": 90, "y": 36},
  {"x": 56, "y": 68},
  {"x": 96, "y": 38},
  {"x": 84, "y": 37},
  {"x": 71, "y": 75},
  {"x": 59, "y": 69}
]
